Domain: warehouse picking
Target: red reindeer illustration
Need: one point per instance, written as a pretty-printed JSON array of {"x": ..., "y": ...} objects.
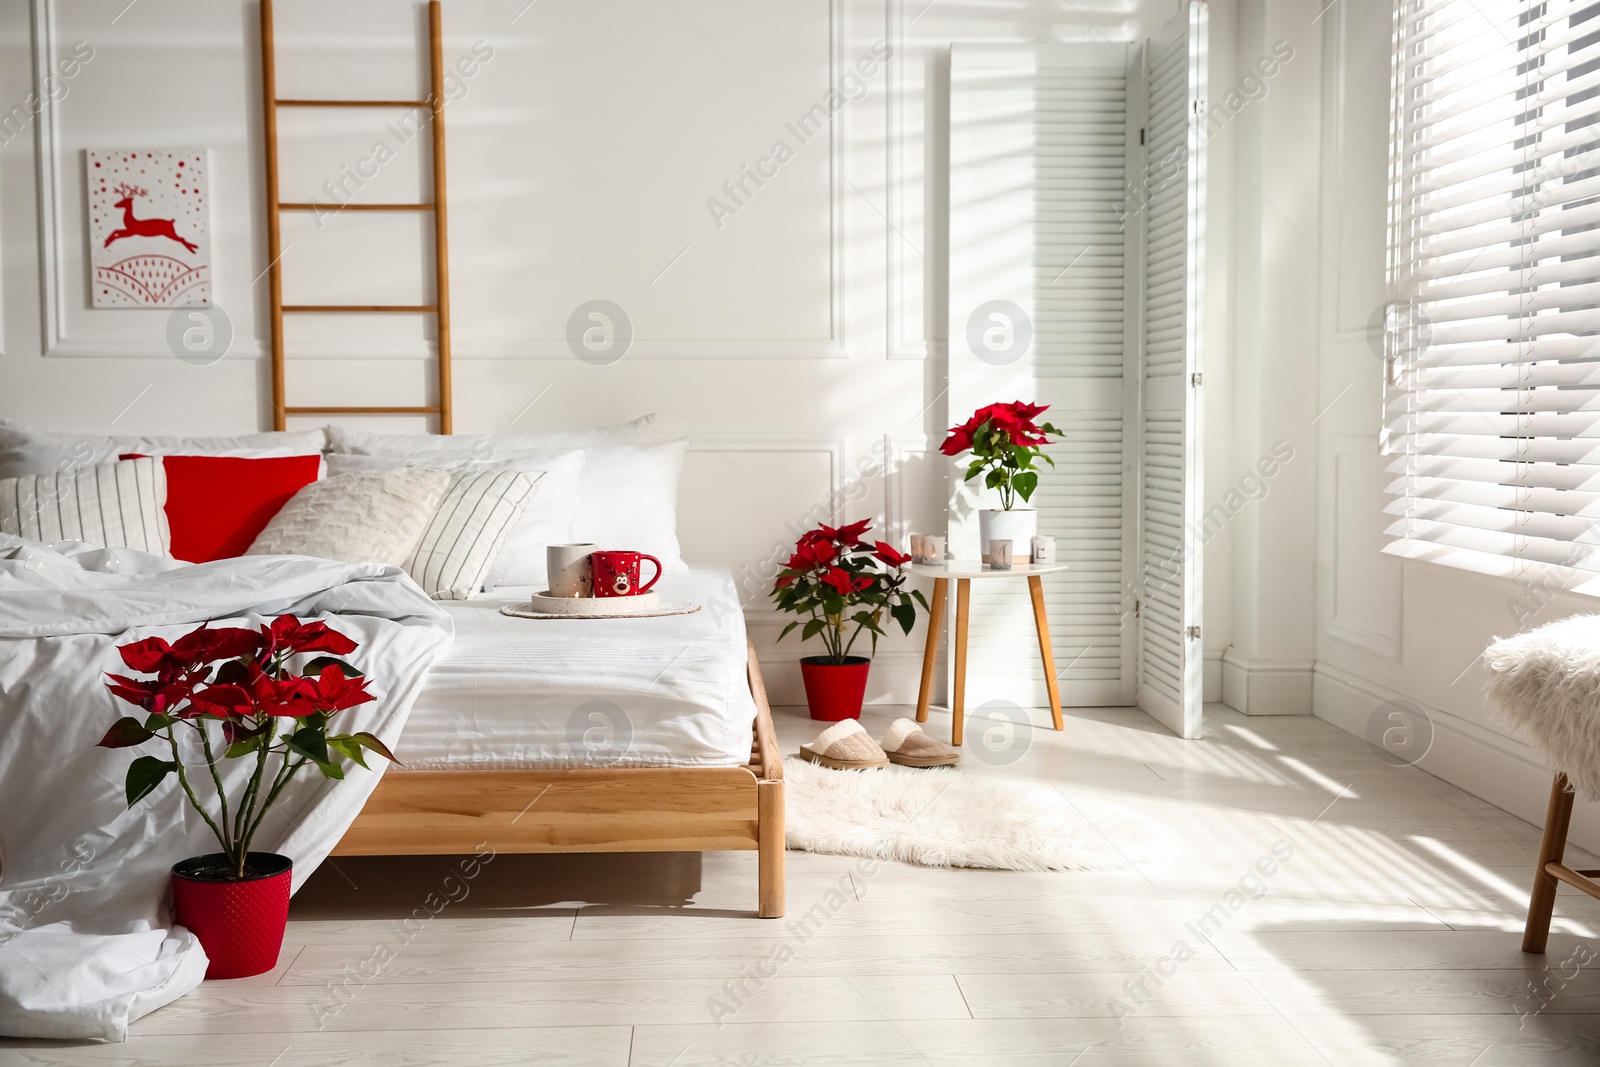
[{"x": 132, "y": 227}]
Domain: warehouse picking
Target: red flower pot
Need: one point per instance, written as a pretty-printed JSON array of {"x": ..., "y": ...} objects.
[
  {"x": 239, "y": 922},
  {"x": 834, "y": 691}
]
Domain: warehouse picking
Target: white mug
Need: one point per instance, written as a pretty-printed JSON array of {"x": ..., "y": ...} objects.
[
  {"x": 999, "y": 557},
  {"x": 570, "y": 572}
]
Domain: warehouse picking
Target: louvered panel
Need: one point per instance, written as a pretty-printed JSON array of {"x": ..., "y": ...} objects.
[
  {"x": 1040, "y": 138},
  {"x": 1168, "y": 587}
]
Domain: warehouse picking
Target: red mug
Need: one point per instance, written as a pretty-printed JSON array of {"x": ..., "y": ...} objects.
[{"x": 617, "y": 573}]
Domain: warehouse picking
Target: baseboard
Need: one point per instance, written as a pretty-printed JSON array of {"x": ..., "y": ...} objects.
[
  {"x": 1501, "y": 770},
  {"x": 1211, "y": 676},
  {"x": 1255, "y": 685}
]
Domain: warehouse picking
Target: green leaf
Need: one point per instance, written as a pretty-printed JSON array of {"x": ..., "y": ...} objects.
[
  {"x": 905, "y": 613},
  {"x": 124, "y": 732},
  {"x": 813, "y": 628},
  {"x": 309, "y": 742},
  {"x": 1046, "y": 457},
  {"x": 370, "y": 741},
  {"x": 247, "y": 741},
  {"x": 144, "y": 774},
  {"x": 322, "y": 663},
  {"x": 330, "y": 769},
  {"x": 917, "y": 593},
  {"x": 786, "y": 629},
  {"x": 347, "y": 747},
  {"x": 158, "y": 722},
  {"x": 1025, "y": 482},
  {"x": 995, "y": 479}
]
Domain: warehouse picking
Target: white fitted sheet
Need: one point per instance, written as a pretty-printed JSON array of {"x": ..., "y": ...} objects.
[{"x": 539, "y": 693}]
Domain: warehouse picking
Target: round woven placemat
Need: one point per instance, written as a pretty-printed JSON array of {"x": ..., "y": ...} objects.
[{"x": 668, "y": 607}]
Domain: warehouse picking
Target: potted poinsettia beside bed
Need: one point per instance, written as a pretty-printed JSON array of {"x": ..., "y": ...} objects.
[
  {"x": 844, "y": 587},
  {"x": 264, "y": 696}
]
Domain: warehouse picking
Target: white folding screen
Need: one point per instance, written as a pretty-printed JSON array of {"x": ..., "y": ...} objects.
[
  {"x": 1172, "y": 196},
  {"x": 1059, "y": 207},
  {"x": 1043, "y": 286}
]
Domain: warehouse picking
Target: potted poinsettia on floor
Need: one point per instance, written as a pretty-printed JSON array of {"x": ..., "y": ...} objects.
[
  {"x": 236, "y": 688},
  {"x": 1005, "y": 441},
  {"x": 845, "y": 587}
]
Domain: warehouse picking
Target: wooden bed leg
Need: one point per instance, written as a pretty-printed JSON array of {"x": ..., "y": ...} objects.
[
  {"x": 769, "y": 806},
  {"x": 1552, "y": 847}
]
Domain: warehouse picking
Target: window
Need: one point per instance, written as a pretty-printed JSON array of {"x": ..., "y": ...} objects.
[{"x": 1492, "y": 340}]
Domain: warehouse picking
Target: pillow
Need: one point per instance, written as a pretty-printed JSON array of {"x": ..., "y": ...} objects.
[
  {"x": 24, "y": 451},
  {"x": 113, "y": 505},
  {"x": 627, "y": 497},
  {"x": 218, "y": 505},
  {"x": 547, "y": 520},
  {"x": 379, "y": 516},
  {"x": 483, "y": 447},
  {"x": 467, "y": 531}
]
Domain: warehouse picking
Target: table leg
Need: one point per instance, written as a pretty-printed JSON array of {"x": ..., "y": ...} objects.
[
  {"x": 930, "y": 653},
  {"x": 958, "y": 699},
  {"x": 1036, "y": 588}
]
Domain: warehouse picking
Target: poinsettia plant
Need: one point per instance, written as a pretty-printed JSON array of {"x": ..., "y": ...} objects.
[
  {"x": 845, "y": 585},
  {"x": 1004, "y": 441},
  {"x": 232, "y": 686}
]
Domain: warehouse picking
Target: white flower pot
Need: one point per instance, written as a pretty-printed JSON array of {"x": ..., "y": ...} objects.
[{"x": 1017, "y": 526}]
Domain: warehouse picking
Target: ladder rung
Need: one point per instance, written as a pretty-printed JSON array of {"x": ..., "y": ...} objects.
[
  {"x": 352, "y": 103},
  {"x": 356, "y": 207},
  {"x": 360, "y": 307},
  {"x": 361, "y": 411}
]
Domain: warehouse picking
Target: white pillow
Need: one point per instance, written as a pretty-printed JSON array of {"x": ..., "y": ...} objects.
[
  {"x": 467, "y": 531},
  {"x": 481, "y": 447},
  {"x": 378, "y": 516},
  {"x": 547, "y": 520},
  {"x": 628, "y": 496},
  {"x": 114, "y": 505},
  {"x": 24, "y": 451}
]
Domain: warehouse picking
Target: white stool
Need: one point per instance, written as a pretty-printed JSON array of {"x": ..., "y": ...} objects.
[{"x": 1547, "y": 682}]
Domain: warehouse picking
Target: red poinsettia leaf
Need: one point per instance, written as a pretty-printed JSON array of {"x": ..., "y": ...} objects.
[
  {"x": 206, "y": 645},
  {"x": 145, "y": 656}
]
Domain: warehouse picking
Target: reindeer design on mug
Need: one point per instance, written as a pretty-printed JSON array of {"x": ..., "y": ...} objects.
[{"x": 132, "y": 227}]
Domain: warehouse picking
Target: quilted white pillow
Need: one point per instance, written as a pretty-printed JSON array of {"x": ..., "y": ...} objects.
[
  {"x": 24, "y": 451},
  {"x": 114, "y": 505},
  {"x": 353, "y": 518},
  {"x": 547, "y": 520},
  {"x": 467, "y": 531},
  {"x": 627, "y": 498}
]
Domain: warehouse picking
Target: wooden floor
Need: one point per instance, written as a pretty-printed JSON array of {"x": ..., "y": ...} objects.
[{"x": 1390, "y": 936}]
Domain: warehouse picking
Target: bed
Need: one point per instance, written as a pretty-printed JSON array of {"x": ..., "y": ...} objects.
[{"x": 638, "y": 735}]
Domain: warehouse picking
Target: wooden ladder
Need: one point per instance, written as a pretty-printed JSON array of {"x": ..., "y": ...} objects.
[{"x": 281, "y": 410}]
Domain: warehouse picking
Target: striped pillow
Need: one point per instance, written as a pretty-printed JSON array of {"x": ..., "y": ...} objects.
[
  {"x": 458, "y": 549},
  {"x": 114, "y": 505}
]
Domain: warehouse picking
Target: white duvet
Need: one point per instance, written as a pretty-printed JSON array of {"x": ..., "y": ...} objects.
[{"x": 86, "y": 943}]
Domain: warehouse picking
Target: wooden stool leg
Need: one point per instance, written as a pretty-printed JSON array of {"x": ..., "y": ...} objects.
[
  {"x": 1036, "y": 589},
  {"x": 1552, "y": 848},
  {"x": 958, "y": 699},
  {"x": 930, "y": 653}
]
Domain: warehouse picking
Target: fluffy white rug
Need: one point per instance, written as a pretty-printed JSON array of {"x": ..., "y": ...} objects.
[
  {"x": 943, "y": 818},
  {"x": 1547, "y": 682}
]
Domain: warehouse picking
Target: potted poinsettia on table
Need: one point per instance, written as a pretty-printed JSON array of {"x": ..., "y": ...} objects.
[
  {"x": 845, "y": 586},
  {"x": 1005, "y": 440},
  {"x": 236, "y": 688}
]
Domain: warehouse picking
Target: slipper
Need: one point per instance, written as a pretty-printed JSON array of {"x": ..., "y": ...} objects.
[
  {"x": 845, "y": 746},
  {"x": 907, "y": 745}
]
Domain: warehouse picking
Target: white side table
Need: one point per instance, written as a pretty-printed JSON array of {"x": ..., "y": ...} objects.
[{"x": 964, "y": 574}]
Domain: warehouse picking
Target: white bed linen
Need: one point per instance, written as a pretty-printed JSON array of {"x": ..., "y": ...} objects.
[
  {"x": 530, "y": 693},
  {"x": 86, "y": 945}
]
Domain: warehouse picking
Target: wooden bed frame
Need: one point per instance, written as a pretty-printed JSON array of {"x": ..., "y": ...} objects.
[{"x": 590, "y": 809}]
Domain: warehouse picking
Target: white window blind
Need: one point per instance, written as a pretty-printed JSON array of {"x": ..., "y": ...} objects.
[{"x": 1492, "y": 344}]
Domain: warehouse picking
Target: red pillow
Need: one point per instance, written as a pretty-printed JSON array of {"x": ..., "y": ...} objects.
[{"x": 216, "y": 505}]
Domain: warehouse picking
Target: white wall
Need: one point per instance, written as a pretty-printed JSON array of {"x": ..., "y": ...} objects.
[{"x": 788, "y": 343}]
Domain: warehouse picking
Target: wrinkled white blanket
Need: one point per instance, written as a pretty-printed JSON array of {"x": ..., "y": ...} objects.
[{"x": 86, "y": 942}]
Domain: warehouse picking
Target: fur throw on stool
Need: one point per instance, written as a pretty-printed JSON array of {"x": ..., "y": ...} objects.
[{"x": 1547, "y": 682}]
